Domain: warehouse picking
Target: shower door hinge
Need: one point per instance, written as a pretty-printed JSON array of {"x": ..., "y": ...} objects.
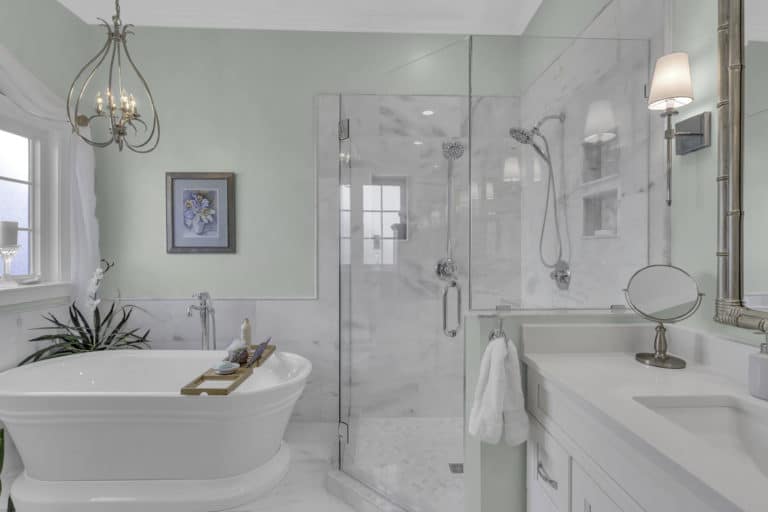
[
  {"x": 344, "y": 129},
  {"x": 343, "y": 432}
]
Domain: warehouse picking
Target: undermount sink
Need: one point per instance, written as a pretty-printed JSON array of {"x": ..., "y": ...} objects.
[{"x": 725, "y": 422}]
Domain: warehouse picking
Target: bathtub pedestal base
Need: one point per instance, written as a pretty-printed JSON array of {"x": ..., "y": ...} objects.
[{"x": 31, "y": 495}]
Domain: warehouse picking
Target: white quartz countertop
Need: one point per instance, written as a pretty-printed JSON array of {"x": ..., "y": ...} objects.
[{"x": 609, "y": 382}]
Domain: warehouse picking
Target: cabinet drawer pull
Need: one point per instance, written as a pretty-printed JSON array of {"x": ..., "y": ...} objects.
[{"x": 544, "y": 476}]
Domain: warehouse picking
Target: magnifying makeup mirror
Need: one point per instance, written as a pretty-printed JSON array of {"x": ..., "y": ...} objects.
[{"x": 663, "y": 294}]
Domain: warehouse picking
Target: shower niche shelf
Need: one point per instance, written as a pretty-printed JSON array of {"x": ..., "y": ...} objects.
[
  {"x": 600, "y": 210},
  {"x": 601, "y": 160},
  {"x": 599, "y": 183}
]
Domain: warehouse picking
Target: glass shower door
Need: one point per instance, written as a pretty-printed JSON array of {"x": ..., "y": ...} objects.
[{"x": 404, "y": 171}]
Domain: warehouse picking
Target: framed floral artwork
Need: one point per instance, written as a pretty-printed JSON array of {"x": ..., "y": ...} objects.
[{"x": 200, "y": 212}]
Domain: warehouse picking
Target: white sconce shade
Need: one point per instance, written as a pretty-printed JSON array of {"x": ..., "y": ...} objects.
[
  {"x": 601, "y": 123},
  {"x": 512, "y": 169},
  {"x": 672, "y": 85}
]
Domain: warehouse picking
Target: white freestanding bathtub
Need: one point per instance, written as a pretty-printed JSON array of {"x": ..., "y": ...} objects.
[{"x": 110, "y": 432}]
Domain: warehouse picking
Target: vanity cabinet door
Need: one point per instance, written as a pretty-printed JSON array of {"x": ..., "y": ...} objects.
[
  {"x": 538, "y": 501},
  {"x": 587, "y": 496},
  {"x": 549, "y": 470}
]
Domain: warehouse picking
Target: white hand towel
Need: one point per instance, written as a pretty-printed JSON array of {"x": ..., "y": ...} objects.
[
  {"x": 486, "y": 420},
  {"x": 515, "y": 416},
  {"x": 499, "y": 406}
]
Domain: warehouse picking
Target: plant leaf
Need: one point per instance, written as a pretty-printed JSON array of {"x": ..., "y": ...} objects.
[{"x": 96, "y": 325}]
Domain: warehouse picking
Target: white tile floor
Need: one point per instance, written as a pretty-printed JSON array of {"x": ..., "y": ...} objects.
[
  {"x": 406, "y": 459},
  {"x": 303, "y": 488}
]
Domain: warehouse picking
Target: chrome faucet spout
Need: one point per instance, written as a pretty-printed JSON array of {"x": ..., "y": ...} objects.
[{"x": 207, "y": 319}]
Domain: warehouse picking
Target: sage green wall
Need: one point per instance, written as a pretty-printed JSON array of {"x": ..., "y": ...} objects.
[
  {"x": 242, "y": 101},
  {"x": 48, "y": 39}
]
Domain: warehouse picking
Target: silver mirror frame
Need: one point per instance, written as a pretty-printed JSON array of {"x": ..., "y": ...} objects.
[
  {"x": 729, "y": 306},
  {"x": 673, "y": 320}
]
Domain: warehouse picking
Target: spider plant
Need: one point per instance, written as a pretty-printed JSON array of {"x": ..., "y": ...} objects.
[{"x": 107, "y": 332}]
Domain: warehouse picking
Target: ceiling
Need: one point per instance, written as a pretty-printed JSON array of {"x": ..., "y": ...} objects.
[{"x": 405, "y": 16}]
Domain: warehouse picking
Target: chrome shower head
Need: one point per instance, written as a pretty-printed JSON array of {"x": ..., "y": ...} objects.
[
  {"x": 522, "y": 135},
  {"x": 453, "y": 150}
]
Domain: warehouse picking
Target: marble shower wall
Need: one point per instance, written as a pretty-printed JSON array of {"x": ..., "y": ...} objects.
[
  {"x": 496, "y": 198},
  {"x": 603, "y": 217}
]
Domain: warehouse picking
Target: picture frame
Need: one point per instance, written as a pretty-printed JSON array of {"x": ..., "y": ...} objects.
[{"x": 200, "y": 212}]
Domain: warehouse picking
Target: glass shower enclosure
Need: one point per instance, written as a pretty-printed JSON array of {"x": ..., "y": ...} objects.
[
  {"x": 403, "y": 161},
  {"x": 441, "y": 211}
]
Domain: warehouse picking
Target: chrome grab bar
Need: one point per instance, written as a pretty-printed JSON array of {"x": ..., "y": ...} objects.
[
  {"x": 451, "y": 333},
  {"x": 545, "y": 476}
]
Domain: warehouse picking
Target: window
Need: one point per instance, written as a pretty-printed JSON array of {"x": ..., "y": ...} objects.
[
  {"x": 385, "y": 219},
  {"x": 16, "y": 196}
]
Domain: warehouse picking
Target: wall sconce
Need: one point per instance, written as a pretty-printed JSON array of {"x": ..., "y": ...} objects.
[
  {"x": 601, "y": 123},
  {"x": 671, "y": 89}
]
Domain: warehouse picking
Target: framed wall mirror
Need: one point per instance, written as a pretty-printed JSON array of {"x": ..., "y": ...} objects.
[{"x": 742, "y": 180}]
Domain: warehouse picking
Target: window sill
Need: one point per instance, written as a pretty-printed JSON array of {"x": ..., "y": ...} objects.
[{"x": 35, "y": 295}]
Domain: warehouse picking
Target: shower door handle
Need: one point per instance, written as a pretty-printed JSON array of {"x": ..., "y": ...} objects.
[{"x": 451, "y": 333}]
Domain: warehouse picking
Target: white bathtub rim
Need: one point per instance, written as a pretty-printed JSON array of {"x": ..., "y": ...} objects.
[
  {"x": 146, "y": 415},
  {"x": 299, "y": 378},
  {"x": 151, "y": 495}
]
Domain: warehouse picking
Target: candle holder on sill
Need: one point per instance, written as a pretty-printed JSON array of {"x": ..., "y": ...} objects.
[{"x": 7, "y": 254}]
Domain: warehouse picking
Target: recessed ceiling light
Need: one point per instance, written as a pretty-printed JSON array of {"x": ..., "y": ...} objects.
[
  {"x": 418, "y": 142},
  {"x": 428, "y": 113}
]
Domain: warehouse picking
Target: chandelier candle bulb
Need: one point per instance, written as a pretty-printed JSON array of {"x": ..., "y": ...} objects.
[{"x": 9, "y": 234}]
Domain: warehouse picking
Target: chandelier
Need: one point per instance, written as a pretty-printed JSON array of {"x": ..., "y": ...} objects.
[{"x": 103, "y": 96}]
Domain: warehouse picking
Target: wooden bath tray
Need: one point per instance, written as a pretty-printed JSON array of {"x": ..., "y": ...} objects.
[{"x": 198, "y": 386}]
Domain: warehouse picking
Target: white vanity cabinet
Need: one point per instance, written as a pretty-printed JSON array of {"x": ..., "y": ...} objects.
[
  {"x": 578, "y": 462},
  {"x": 556, "y": 482},
  {"x": 586, "y": 495},
  {"x": 548, "y": 470}
]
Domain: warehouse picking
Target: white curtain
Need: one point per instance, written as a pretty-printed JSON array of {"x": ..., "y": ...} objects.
[
  {"x": 84, "y": 228},
  {"x": 34, "y": 103}
]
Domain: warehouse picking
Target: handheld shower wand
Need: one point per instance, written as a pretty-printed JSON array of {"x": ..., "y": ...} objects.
[{"x": 561, "y": 272}]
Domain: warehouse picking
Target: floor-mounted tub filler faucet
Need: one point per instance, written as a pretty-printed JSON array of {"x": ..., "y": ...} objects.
[{"x": 207, "y": 319}]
